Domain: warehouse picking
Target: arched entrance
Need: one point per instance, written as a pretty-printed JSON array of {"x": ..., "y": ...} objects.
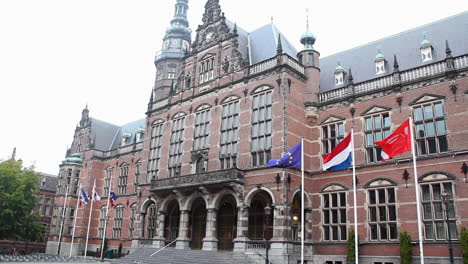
[
  {"x": 150, "y": 221},
  {"x": 227, "y": 223},
  {"x": 171, "y": 229},
  {"x": 257, "y": 219},
  {"x": 296, "y": 216},
  {"x": 197, "y": 223}
]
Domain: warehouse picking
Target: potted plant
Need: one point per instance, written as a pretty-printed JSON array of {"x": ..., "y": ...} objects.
[
  {"x": 406, "y": 250},
  {"x": 351, "y": 257}
]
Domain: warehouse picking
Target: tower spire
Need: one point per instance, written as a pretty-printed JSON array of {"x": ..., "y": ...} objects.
[
  {"x": 279, "y": 49},
  {"x": 13, "y": 155}
]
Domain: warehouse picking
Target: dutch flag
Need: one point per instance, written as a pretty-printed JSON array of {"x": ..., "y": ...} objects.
[
  {"x": 113, "y": 197},
  {"x": 341, "y": 156}
]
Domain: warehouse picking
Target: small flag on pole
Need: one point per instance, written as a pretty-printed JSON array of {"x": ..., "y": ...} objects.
[
  {"x": 83, "y": 196},
  {"x": 397, "y": 143},
  {"x": 341, "y": 156},
  {"x": 292, "y": 159},
  {"x": 113, "y": 197},
  {"x": 96, "y": 196}
]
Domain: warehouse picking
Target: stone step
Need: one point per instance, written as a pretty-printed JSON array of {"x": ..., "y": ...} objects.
[{"x": 175, "y": 256}]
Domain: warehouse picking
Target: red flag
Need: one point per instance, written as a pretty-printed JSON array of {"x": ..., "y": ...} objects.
[{"x": 397, "y": 143}]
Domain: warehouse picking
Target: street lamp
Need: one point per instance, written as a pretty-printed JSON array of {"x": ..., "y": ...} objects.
[
  {"x": 267, "y": 233},
  {"x": 446, "y": 200}
]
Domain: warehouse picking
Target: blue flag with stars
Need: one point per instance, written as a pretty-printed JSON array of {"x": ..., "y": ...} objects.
[{"x": 292, "y": 159}]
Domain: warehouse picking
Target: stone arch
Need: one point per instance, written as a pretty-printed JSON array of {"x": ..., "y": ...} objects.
[
  {"x": 334, "y": 187},
  {"x": 308, "y": 202},
  {"x": 167, "y": 201},
  {"x": 190, "y": 199},
  {"x": 146, "y": 203},
  {"x": 251, "y": 194},
  {"x": 230, "y": 98},
  {"x": 261, "y": 88},
  {"x": 380, "y": 182},
  {"x": 218, "y": 197},
  {"x": 436, "y": 176},
  {"x": 201, "y": 107}
]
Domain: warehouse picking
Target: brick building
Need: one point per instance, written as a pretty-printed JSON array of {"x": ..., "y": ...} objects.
[{"x": 192, "y": 173}]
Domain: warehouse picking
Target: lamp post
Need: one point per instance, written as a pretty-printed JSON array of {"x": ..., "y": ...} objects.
[
  {"x": 267, "y": 233},
  {"x": 446, "y": 200}
]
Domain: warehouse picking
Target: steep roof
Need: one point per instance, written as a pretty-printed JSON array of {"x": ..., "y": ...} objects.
[
  {"x": 107, "y": 136},
  {"x": 264, "y": 42},
  {"x": 405, "y": 45},
  {"x": 48, "y": 182}
]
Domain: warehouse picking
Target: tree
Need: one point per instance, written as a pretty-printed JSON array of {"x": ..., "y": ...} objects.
[
  {"x": 351, "y": 257},
  {"x": 18, "y": 187},
  {"x": 406, "y": 250},
  {"x": 464, "y": 244}
]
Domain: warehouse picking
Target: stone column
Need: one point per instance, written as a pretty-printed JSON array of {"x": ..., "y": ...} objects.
[
  {"x": 160, "y": 241},
  {"x": 240, "y": 242},
  {"x": 308, "y": 249},
  {"x": 183, "y": 239},
  {"x": 210, "y": 242},
  {"x": 281, "y": 232}
]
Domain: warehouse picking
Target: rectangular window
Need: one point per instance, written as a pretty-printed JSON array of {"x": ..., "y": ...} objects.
[
  {"x": 262, "y": 108},
  {"x": 123, "y": 179},
  {"x": 132, "y": 220},
  {"x": 102, "y": 221},
  {"x": 155, "y": 151},
  {"x": 376, "y": 127},
  {"x": 229, "y": 135},
  {"x": 332, "y": 134},
  {"x": 334, "y": 216},
  {"x": 206, "y": 70},
  {"x": 118, "y": 219},
  {"x": 382, "y": 214},
  {"x": 137, "y": 178},
  {"x": 430, "y": 129},
  {"x": 435, "y": 213},
  {"x": 201, "y": 135},
  {"x": 107, "y": 182},
  {"x": 175, "y": 151}
]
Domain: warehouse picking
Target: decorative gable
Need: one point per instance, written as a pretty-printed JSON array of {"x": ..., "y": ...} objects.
[
  {"x": 332, "y": 119},
  {"x": 376, "y": 109},
  {"x": 179, "y": 115},
  {"x": 380, "y": 182},
  {"x": 334, "y": 187},
  {"x": 427, "y": 98}
]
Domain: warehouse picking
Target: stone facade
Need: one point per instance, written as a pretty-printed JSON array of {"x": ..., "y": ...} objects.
[{"x": 196, "y": 177}]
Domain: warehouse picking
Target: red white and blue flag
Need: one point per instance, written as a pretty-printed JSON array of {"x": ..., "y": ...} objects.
[
  {"x": 341, "y": 156},
  {"x": 83, "y": 196},
  {"x": 113, "y": 197},
  {"x": 96, "y": 196}
]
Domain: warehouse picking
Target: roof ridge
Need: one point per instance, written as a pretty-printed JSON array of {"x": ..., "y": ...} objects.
[{"x": 397, "y": 34}]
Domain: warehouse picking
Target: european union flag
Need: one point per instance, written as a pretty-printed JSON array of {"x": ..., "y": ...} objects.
[{"x": 292, "y": 159}]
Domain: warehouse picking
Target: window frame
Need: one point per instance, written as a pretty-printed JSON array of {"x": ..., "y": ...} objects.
[
  {"x": 341, "y": 227},
  {"x": 327, "y": 145},
  {"x": 423, "y": 143},
  {"x": 176, "y": 147},
  {"x": 229, "y": 148},
  {"x": 385, "y": 131},
  {"x": 154, "y": 159},
  {"x": 261, "y": 139}
]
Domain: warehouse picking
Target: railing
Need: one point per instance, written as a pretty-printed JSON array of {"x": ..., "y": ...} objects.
[
  {"x": 294, "y": 64},
  {"x": 255, "y": 245},
  {"x": 263, "y": 66},
  {"x": 389, "y": 80},
  {"x": 162, "y": 248},
  {"x": 278, "y": 60}
]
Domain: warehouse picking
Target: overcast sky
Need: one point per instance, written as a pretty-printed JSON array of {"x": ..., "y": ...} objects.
[{"x": 58, "y": 55}]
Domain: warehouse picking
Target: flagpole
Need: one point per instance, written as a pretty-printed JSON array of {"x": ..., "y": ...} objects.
[
  {"x": 106, "y": 218},
  {"x": 63, "y": 221},
  {"x": 89, "y": 219},
  {"x": 303, "y": 232},
  {"x": 74, "y": 220},
  {"x": 416, "y": 187},
  {"x": 356, "y": 240}
]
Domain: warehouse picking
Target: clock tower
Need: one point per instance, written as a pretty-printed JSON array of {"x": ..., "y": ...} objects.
[{"x": 176, "y": 44}]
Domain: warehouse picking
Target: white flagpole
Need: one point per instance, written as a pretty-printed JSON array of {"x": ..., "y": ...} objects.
[
  {"x": 416, "y": 187},
  {"x": 303, "y": 231},
  {"x": 74, "y": 220},
  {"x": 356, "y": 240},
  {"x": 63, "y": 221},
  {"x": 106, "y": 218},
  {"x": 89, "y": 219}
]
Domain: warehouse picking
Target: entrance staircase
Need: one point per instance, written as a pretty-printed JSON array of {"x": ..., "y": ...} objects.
[{"x": 176, "y": 256}]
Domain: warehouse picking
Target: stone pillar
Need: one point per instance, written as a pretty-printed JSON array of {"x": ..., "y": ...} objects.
[
  {"x": 210, "y": 242},
  {"x": 183, "y": 239},
  {"x": 240, "y": 242},
  {"x": 160, "y": 241},
  {"x": 281, "y": 232},
  {"x": 308, "y": 237}
]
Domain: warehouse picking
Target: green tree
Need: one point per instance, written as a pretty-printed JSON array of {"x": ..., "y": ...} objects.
[
  {"x": 351, "y": 257},
  {"x": 18, "y": 187},
  {"x": 464, "y": 244},
  {"x": 406, "y": 250}
]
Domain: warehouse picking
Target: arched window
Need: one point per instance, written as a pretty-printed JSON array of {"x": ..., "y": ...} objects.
[
  {"x": 118, "y": 220},
  {"x": 151, "y": 217},
  {"x": 334, "y": 213},
  {"x": 102, "y": 221},
  {"x": 382, "y": 210},
  {"x": 200, "y": 165},
  {"x": 229, "y": 133},
  {"x": 155, "y": 150},
  {"x": 123, "y": 179},
  {"x": 262, "y": 119},
  {"x": 434, "y": 211}
]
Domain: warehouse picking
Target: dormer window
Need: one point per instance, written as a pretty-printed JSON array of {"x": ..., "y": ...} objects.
[
  {"x": 125, "y": 137},
  {"x": 140, "y": 134},
  {"x": 339, "y": 75},
  {"x": 380, "y": 64},
  {"x": 426, "y": 50}
]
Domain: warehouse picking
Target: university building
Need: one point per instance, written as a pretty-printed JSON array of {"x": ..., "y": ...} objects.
[{"x": 193, "y": 175}]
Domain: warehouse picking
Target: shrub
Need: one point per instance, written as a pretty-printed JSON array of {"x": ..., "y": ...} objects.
[
  {"x": 464, "y": 244},
  {"x": 351, "y": 257},
  {"x": 406, "y": 250}
]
